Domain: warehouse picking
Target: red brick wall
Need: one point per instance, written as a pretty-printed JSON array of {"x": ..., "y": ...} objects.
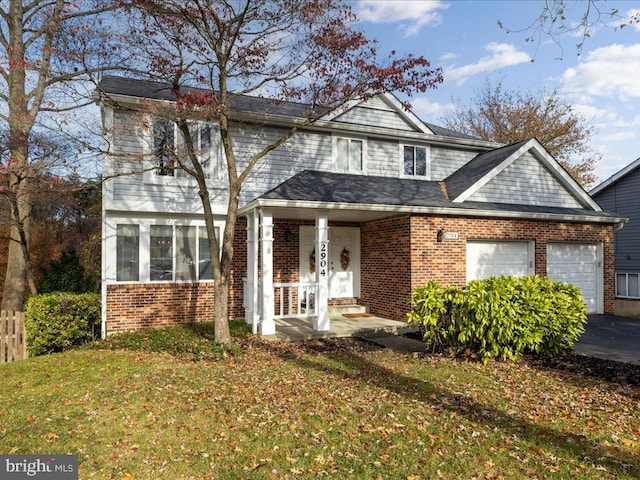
[
  {"x": 385, "y": 251},
  {"x": 401, "y": 253},
  {"x": 397, "y": 255},
  {"x": 137, "y": 306}
]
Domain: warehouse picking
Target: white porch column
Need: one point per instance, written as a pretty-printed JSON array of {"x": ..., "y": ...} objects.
[
  {"x": 251, "y": 299},
  {"x": 321, "y": 322},
  {"x": 268, "y": 324}
]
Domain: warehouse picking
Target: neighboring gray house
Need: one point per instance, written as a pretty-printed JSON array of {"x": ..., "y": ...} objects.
[{"x": 620, "y": 193}]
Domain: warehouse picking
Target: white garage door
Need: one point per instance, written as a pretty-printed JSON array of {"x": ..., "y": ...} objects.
[
  {"x": 492, "y": 258},
  {"x": 576, "y": 263}
]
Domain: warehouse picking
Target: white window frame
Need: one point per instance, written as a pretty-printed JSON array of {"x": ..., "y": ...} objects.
[
  {"x": 144, "y": 252},
  {"x": 334, "y": 153},
  {"x": 626, "y": 280},
  {"x": 216, "y": 171},
  {"x": 196, "y": 255},
  {"x": 427, "y": 149}
]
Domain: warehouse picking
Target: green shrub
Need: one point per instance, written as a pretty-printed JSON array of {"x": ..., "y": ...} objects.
[
  {"x": 500, "y": 317},
  {"x": 57, "y": 321},
  {"x": 66, "y": 275}
]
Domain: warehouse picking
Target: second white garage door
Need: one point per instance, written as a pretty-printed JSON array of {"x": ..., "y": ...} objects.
[
  {"x": 577, "y": 263},
  {"x": 494, "y": 258}
]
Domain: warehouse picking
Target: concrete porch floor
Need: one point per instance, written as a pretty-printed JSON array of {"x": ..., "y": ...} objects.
[{"x": 292, "y": 329}]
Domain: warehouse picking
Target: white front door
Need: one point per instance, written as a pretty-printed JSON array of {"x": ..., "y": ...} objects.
[{"x": 344, "y": 260}]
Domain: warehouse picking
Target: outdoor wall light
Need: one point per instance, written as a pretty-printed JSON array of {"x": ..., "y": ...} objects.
[
  {"x": 440, "y": 235},
  {"x": 288, "y": 235}
]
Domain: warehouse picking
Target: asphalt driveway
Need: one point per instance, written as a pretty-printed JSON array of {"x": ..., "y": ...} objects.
[{"x": 612, "y": 338}]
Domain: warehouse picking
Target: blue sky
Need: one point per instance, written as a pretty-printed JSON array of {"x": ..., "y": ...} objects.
[{"x": 463, "y": 37}]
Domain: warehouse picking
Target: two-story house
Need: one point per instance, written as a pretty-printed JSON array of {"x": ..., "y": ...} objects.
[{"x": 360, "y": 207}]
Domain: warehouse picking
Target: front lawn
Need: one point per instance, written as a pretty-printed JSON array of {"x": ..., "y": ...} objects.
[{"x": 335, "y": 409}]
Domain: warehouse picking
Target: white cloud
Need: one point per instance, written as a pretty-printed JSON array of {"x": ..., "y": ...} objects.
[
  {"x": 500, "y": 55},
  {"x": 610, "y": 71},
  {"x": 412, "y": 15},
  {"x": 616, "y": 136},
  {"x": 448, "y": 56},
  {"x": 589, "y": 112},
  {"x": 430, "y": 111}
]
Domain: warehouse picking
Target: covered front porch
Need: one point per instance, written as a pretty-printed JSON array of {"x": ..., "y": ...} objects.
[{"x": 303, "y": 274}]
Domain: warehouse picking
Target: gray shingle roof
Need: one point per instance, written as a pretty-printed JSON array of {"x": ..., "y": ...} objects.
[
  {"x": 324, "y": 187},
  {"x": 315, "y": 186},
  {"x": 151, "y": 89},
  {"x": 478, "y": 167},
  {"x": 447, "y": 132},
  {"x": 154, "y": 90}
]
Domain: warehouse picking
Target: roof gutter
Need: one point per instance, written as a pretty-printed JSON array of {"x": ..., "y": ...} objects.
[{"x": 465, "y": 212}]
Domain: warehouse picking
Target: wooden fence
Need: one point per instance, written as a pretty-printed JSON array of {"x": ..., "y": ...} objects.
[{"x": 12, "y": 337}]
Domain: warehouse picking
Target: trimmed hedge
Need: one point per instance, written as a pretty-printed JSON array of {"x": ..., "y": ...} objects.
[
  {"x": 500, "y": 317},
  {"x": 58, "y": 321}
]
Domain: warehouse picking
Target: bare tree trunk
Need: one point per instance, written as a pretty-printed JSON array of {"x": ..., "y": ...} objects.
[
  {"x": 18, "y": 275},
  {"x": 221, "y": 311},
  {"x": 14, "y": 284}
]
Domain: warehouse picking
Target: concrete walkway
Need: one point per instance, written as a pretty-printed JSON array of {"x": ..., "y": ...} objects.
[
  {"x": 292, "y": 329},
  {"x": 612, "y": 338},
  {"x": 607, "y": 336}
]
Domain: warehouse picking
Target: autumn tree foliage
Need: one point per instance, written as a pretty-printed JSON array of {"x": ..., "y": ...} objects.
[
  {"x": 49, "y": 49},
  {"x": 508, "y": 116},
  {"x": 295, "y": 50}
]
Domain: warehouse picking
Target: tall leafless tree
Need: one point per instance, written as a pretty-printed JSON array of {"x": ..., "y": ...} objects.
[{"x": 299, "y": 50}]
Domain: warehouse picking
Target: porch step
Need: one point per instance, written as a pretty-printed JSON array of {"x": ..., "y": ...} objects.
[{"x": 342, "y": 309}]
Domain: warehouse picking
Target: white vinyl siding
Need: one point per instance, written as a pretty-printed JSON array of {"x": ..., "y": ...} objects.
[
  {"x": 375, "y": 113},
  {"x": 526, "y": 182},
  {"x": 445, "y": 161},
  {"x": 487, "y": 258},
  {"x": 305, "y": 151},
  {"x": 382, "y": 158},
  {"x": 374, "y": 118}
]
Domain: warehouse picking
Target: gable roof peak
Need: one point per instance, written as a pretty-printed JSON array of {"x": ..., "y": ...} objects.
[{"x": 619, "y": 175}]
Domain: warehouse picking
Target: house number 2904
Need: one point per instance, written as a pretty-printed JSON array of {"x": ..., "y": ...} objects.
[{"x": 323, "y": 259}]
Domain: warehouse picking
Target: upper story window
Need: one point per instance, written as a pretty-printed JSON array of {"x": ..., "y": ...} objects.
[
  {"x": 169, "y": 146},
  {"x": 415, "y": 161},
  {"x": 349, "y": 154},
  {"x": 164, "y": 146}
]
